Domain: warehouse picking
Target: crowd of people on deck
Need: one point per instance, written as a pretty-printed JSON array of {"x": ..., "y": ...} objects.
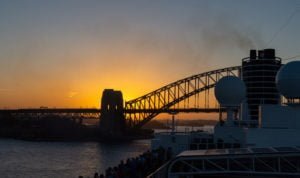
[{"x": 138, "y": 167}]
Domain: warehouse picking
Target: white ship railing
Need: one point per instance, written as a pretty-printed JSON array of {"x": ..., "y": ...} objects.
[{"x": 278, "y": 161}]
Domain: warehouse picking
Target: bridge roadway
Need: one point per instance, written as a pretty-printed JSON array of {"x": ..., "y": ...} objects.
[{"x": 94, "y": 110}]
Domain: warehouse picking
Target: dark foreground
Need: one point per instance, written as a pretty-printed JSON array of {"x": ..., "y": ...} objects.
[
  {"x": 55, "y": 128},
  {"x": 138, "y": 167}
]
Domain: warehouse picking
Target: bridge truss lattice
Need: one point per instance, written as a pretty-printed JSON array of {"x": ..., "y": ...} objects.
[{"x": 169, "y": 96}]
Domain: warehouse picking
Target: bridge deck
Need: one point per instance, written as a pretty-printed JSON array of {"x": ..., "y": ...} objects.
[{"x": 94, "y": 110}]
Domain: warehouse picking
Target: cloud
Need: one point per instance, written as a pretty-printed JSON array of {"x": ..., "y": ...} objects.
[
  {"x": 72, "y": 94},
  {"x": 5, "y": 90}
]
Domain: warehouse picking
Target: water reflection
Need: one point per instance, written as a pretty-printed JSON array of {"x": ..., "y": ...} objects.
[{"x": 62, "y": 159}]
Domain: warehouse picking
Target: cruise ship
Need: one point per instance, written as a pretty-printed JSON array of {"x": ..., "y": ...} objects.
[{"x": 260, "y": 136}]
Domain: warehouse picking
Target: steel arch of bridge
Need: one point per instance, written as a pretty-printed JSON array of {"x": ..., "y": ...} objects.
[{"x": 167, "y": 96}]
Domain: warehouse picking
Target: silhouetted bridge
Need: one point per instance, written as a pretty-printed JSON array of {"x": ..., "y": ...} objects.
[
  {"x": 191, "y": 94},
  {"x": 84, "y": 111}
]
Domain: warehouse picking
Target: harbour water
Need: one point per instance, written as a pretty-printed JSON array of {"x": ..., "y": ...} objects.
[{"x": 63, "y": 159}]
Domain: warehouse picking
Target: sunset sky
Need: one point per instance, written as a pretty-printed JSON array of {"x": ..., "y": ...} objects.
[{"x": 63, "y": 53}]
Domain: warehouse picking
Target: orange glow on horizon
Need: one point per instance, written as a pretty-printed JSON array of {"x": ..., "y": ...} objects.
[{"x": 81, "y": 86}]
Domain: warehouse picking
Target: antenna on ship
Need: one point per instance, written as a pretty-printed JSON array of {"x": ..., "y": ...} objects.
[
  {"x": 173, "y": 126},
  {"x": 293, "y": 57},
  {"x": 287, "y": 81},
  {"x": 230, "y": 91},
  {"x": 284, "y": 25}
]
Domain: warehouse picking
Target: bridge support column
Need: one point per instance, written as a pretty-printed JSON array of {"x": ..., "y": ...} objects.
[{"x": 112, "y": 119}]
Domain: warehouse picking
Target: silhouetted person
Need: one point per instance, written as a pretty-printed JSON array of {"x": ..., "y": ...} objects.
[{"x": 96, "y": 175}]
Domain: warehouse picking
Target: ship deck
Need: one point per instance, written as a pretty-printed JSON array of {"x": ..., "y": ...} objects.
[{"x": 255, "y": 162}]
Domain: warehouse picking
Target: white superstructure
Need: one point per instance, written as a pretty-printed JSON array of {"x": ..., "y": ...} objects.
[
  {"x": 278, "y": 124},
  {"x": 263, "y": 141}
]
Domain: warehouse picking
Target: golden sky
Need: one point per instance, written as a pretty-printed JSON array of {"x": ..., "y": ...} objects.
[{"x": 65, "y": 53}]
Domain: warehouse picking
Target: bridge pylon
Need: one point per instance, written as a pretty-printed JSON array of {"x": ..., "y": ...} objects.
[{"x": 112, "y": 120}]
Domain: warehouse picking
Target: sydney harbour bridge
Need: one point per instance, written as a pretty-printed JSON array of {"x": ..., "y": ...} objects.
[{"x": 191, "y": 94}]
